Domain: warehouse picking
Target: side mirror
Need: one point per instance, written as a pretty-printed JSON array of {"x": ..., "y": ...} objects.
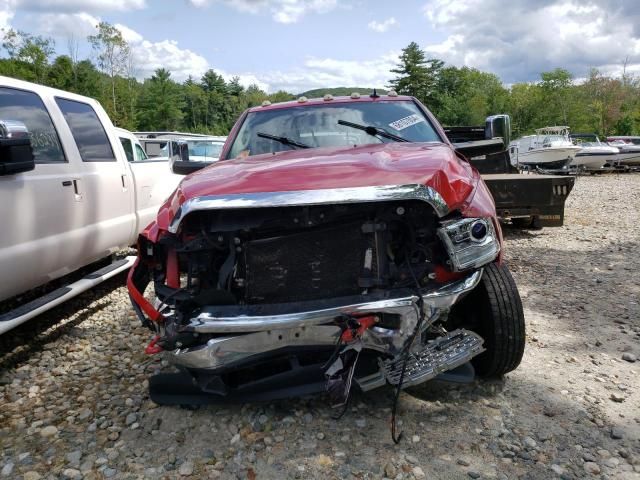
[
  {"x": 498, "y": 126},
  {"x": 16, "y": 153},
  {"x": 180, "y": 163}
]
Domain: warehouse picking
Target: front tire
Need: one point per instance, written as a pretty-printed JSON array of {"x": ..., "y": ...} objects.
[{"x": 494, "y": 311}]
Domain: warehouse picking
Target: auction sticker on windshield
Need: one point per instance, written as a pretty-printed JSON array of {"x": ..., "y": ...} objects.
[{"x": 406, "y": 122}]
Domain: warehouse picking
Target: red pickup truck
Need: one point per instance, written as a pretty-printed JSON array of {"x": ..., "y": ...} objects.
[{"x": 338, "y": 242}]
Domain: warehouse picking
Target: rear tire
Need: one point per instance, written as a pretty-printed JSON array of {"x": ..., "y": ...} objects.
[{"x": 494, "y": 311}]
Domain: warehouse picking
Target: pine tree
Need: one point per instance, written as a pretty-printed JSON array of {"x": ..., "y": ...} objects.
[{"x": 417, "y": 75}]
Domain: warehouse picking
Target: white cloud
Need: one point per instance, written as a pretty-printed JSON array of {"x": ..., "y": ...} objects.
[
  {"x": 331, "y": 72},
  {"x": 7, "y": 9},
  {"x": 282, "y": 11},
  {"x": 66, "y": 25},
  {"x": 383, "y": 26},
  {"x": 129, "y": 35},
  {"x": 149, "y": 56},
  {"x": 532, "y": 37},
  {"x": 75, "y": 6}
]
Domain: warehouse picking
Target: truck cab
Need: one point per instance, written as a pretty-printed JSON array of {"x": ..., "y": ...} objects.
[{"x": 79, "y": 196}]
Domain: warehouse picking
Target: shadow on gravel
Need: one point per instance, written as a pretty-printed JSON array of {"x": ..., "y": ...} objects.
[
  {"x": 19, "y": 344},
  {"x": 510, "y": 232}
]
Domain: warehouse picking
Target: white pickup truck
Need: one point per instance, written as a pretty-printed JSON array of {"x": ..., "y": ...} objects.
[{"x": 73, "y": 188}]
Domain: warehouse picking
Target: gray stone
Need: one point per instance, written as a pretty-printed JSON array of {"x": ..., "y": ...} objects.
[
  {"x": 411, "y": 459},
  {"x": 418, "y": 472},
  {"x": 473, "y": 474},
  {"x": 390, "y": 470},
  {"x": 617, "y": 433},
  {"x": 616, "y": 397},
  {"x": 131, "y": 419},
  {"x": 612, "y": 462},
  {"x": 7, "y": 469},
  {"x": 557, "y": 469},
  {"x": 109, "y": 472},
  {"x": 529, "y": 442},
  {"x": 74, "y": 457},
  {"x": 71, "y": 474},
  {"x": 48, "y": 431},
  {"x": 629, "y": 357},
  {"x": 186, "y": 469},
  {"x": 592, "y": 468}
]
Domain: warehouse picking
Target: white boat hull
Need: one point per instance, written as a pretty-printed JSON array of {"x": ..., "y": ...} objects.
[
  {"x": 595, "y": 157},
  {"x": 551, "y": 158},
  {"x": 629, "y": 158}
]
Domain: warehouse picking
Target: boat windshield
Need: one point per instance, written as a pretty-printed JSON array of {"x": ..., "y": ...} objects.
[{"x": 335, "y": 125}]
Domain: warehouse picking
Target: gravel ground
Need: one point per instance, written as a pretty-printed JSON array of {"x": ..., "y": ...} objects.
[{"x": 73, "y": 401}]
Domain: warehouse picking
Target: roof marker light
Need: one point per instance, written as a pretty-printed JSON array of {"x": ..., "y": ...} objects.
[
  {"x": 392, "y": 93},
  {"x": 302, "y": 99},
  {"x": 355, "y": 95},
  {"x": 266, "y": 103},
  {"x": 328, "y": 97}
]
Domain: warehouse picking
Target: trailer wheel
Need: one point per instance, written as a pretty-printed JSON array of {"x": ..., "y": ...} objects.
[{"x": 494, "y": 311}]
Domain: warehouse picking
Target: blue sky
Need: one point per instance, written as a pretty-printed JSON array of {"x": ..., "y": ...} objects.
[{"x": 301, "y": 44}]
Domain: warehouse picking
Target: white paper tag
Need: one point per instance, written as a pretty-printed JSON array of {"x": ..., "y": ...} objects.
[{"x": 406, "y": 122}]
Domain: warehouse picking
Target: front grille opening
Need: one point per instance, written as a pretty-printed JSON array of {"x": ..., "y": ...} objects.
[{"x": 296, "y": 254}]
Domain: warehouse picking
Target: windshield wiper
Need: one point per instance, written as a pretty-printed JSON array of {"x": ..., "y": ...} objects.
[
  {"x": 371, "y": 130},
  {"x": 283, "y": 140}
]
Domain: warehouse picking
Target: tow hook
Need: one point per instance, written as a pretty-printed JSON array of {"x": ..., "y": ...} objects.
[
  {"x": 153, "y": 346},
  {"x": 354, "y": 327}
]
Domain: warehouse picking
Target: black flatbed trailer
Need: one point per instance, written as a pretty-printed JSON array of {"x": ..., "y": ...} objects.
[
  {"x": 540, "y": 197},
  {"x": 528, "y": 199}
]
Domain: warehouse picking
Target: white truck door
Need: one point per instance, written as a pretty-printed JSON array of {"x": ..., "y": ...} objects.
[
  {"x": 105, "y": 186},
  {"x": 40, "y": 214},
  {"x": 153, "y": 178}
]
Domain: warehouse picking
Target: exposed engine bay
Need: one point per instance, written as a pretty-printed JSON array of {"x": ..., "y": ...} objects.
[{"x": 299, "y": 254}]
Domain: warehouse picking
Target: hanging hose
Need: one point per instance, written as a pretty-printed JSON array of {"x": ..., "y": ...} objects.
[{"x": 406, "y": 351}]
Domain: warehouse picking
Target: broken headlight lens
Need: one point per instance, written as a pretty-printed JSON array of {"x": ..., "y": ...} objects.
[{"x": 470, "y": 242}]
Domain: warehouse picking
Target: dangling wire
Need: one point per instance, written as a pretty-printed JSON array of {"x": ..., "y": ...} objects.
[{"x": 405, "y": 351}]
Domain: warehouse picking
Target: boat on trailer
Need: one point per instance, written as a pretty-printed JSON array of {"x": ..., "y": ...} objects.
[
  {"x": 549, "y": 149},
  {"x": 594, "y": 154},
  {"x": 629, "y": 149}
]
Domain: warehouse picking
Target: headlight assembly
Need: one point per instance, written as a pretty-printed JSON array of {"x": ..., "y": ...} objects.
[{"x": 470, "y": 242}]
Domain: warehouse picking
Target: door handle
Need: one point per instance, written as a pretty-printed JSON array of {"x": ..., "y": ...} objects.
[{"x": 67, "y": 183}]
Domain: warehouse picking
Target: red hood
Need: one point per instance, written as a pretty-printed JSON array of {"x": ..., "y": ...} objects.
[{"x": 432, "y": 164}]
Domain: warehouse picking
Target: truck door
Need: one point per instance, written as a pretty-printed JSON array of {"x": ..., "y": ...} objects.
[
  {"x": 153, "y": 178},
  {"x": 40, "y": 212},
  {"x": 105, "y": 185}
]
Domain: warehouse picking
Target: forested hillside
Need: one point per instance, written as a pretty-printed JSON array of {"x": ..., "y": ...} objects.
[{"x": 211, "y": 104}]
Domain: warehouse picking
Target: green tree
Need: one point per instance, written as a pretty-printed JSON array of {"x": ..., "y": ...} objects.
[
  {"x": 417, "y": 75},
  {"x": 161, "y": 103},
  {"x": 32, "y": 51},
  {"x": 556, "y": 86},
  {"x": 62, "y": 74},
  {"x": 112, "y": 53}
]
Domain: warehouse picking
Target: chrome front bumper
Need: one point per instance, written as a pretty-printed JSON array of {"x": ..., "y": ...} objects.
[{"x": 247, "y": 336}]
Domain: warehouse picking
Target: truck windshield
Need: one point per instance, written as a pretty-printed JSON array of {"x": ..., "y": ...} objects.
[{"x": 319, "y": 126}]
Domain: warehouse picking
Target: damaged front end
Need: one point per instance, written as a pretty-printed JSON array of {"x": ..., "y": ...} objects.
[{"x": 263, "y": 296}]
